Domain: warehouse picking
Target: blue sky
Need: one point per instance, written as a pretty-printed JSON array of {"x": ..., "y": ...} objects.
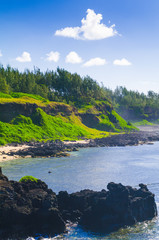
[{"x": 49, "y": 33}]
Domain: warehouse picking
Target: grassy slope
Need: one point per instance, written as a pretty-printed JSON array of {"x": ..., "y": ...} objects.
[
  {"x": 41, "y": 126},
  {"x": 143, "y": 123},
  {"x": 108, "y": 119}
]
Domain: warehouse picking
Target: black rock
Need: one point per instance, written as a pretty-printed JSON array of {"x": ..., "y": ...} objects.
[
  {"x": 27, "y": 208},
  {"x": 121, "y": 206},
  {"x": 30, "y": 207}
]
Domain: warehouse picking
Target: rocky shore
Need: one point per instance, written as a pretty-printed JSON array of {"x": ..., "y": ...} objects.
[
  {"x": 58, "y": 148},
  {"x": 29, "y": 207}
]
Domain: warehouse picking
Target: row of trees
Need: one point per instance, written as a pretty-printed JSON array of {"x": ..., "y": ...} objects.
[
  {"x": 59, "y": 85},
  {"x": 140, "y": 104}
]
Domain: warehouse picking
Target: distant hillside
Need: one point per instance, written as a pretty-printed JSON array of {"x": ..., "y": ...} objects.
[
  {"x": 27, "y": 117},
  {"x": 135, "y": 106}
]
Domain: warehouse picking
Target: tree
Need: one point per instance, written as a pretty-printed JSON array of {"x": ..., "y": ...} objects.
[{"x": 3, "y": 85}]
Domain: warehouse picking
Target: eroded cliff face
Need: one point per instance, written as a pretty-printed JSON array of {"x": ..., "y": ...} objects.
[
  {"x": 9, "y": 111},
  {"x": 22, "y": 120}
]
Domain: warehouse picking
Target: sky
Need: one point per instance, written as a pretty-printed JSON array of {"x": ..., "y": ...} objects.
[{"x": 116, "y": 42}]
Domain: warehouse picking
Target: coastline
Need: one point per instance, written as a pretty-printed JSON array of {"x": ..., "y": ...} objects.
[
  {"x": 57, "y": 148},
  {"x": 6, "y": 150}
]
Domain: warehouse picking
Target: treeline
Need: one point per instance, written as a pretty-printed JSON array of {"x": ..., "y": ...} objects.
[
  {"x": 62, "y": 86},
  {"x": 59, "y": 85},
  {"x": 134, "y": 105}
]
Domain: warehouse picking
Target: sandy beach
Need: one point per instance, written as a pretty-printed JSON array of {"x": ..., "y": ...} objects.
[
  {"x": 147, "y": 134},
  {"x": 4, "y": 150},
  {"x": 75, "y": 142}
]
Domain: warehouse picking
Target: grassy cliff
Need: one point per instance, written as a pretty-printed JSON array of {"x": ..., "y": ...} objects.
[{"x": 27, "y": 117}]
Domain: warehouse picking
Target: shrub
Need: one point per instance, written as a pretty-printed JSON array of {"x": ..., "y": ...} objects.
[
  {"x": 28, "y": 178},
  {"x": 21, "y": 119}
]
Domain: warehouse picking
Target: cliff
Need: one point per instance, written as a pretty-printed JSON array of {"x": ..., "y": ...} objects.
[{"x": 25, "y": 119}]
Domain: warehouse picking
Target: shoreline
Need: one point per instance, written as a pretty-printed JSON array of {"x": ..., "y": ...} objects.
[
  {"x": 5, "y": 151},
  {"x": 57, "y": 148}
]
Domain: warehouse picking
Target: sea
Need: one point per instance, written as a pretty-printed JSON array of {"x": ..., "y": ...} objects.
[{"x": 94, "y": 168}]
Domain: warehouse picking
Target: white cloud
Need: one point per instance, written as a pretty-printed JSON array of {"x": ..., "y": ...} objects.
[
  {"x": 95, "y": 62},
  {"x": 68, "y": 32},
  {"x": 1, "y": 53},
  {"x": 73, "y": 57},
  {"x": 91, "y": 28},
  {"x": 122, "y": 62},
  {"x": 25, "y": 57},
  {"x": 53, "y": 56}
]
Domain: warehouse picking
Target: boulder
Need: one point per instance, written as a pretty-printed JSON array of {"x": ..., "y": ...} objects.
[{"x": 27, "y": 208}]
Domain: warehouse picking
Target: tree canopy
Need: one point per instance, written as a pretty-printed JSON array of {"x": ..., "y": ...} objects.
[{"x": 59, "y": 85}]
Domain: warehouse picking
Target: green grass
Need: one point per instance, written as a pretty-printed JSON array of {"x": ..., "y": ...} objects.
[
  {"x": 4, "y": 95},
  {"x": 105, "y": 123},
  {"x": 109, "y": 120},
  {"x": 143, "y": 123},
  {"x": 113, "y": 122},
  {"x": 122, "y": 124},
  {"x": 28, "y": 178},
  {"x": 20, "y": 95},
  {"x": 65, "y": 125},
  {"x": 94, "y": 108},
  {"x": 41, "y": 126}
]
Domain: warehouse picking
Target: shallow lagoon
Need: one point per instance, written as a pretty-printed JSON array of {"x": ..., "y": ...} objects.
[{"x": 93, "y": 168}]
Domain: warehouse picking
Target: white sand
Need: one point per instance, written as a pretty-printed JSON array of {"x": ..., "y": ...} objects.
[
  {"x": 149, "y": 128},
  {"x": 75, "y": 142},
  {"x": 6, "y": 149}
]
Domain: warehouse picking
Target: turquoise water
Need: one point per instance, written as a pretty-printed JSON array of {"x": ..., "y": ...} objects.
[{"x": 94, "y": 168}]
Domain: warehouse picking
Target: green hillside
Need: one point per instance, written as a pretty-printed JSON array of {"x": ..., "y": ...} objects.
[{"x": 27, "y": 117}]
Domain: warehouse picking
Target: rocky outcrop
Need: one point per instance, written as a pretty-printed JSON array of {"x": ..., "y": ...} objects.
[
  {"x": 107, "y": 211},
  {"x": 30, "y": 207},
  {"x": 43, "y": 149},
  {"x": 27, "y": 208},
  {"x": 120, "y": 206}
]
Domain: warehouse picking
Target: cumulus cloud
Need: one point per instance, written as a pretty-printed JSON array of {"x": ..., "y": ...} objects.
[
  {"x": 122, "y": 62},
  {"x": 95, "y": 62},
  {"x": 1, "y": 53},
  {"x": 25, "y": 57},
  {"x": 73, "y": 57},
  {"x": 91, "y": 28},
  {"x": 53, "y": 56}
]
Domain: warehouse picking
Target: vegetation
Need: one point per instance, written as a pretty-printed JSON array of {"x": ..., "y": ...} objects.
[
  {"x": 65, "y": 124},
  {"x": 55, "y": 86},
  {"x": 54, "y": 105},
  {"x": 133, "y": 105},
  {"x": 41, "y": 126},
  {"x": 62, "y": 86},
  {"x": 28, "y": 178},
  {"x": 143, "y": 123}
]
